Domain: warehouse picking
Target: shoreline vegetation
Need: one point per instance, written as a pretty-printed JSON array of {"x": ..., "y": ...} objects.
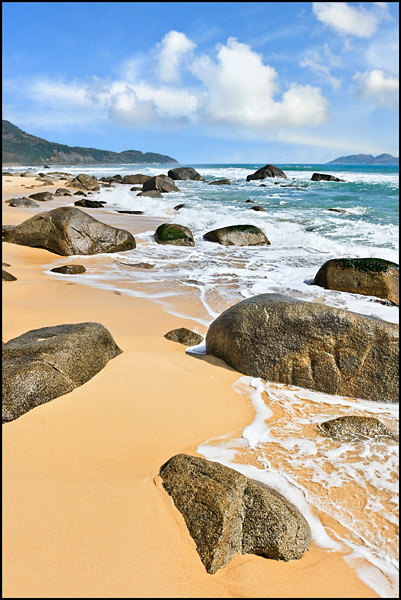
[{"x": 86, "y": 512}]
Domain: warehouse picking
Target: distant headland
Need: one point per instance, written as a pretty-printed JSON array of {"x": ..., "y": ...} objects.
[
  {"x": 365, "y": 159},
  {"x": 20, "y": 148}
]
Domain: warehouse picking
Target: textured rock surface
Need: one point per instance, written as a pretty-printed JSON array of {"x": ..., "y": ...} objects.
[
  {"x": 88, "y": 182},
  {"x": 69, "y": 269},
  {"x": 267, "y": 171},
  {"x": 161, "y": 183},
  {"x": 325, "y": 177},
  {"x": 355, "y": 427},
  {"x": 185, "y": 173},
  {"x": 172, "y": 233},
  {"x": 138, "y": 178},
  {"x": 184, "y": 336},
  {"x": 6, "y": 276},
  {"x": 227, "y": 513},
  {"x": 367, "y": 276},
  {"x": 310, "y": 345},
  {"x": 68, "y": 230},
  {"x": 45, "y": 363},
  {"x": 42, "y": 196},
  {"x": 237, "y": 235},
  {"x": 220, "y": 182}
]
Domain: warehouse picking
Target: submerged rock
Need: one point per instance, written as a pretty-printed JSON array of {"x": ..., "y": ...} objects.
[
  {"x": 267, "y": 171},
  {"x": 226, "y": 513},
  {"x": 68, "y": 230},
  {"x": 366, "y": 276},
  {"x": 220, "y": 182},
  {"x": 184, "y": 336},
  {"x": 237, "y": 235},
  {"x": 45, "y": 363},
  {"x": 151, "y": 194},
  {"x": 331, "y": 350},
  {"x": 172, "y": 233},
  {"x": 355, "y": 427}
]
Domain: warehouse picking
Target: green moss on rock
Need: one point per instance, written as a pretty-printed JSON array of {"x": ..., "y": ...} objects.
[{"x": 376, "y": 265}]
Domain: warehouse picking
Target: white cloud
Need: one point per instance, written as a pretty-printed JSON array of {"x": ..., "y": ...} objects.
[
  {"x": 383, "y": 53},
  {"x": 379, "y": 87},
  {"x": 347, "y": 19},
  {"x": 171, "y": 51},
  {"x": 239, "y": 91}
]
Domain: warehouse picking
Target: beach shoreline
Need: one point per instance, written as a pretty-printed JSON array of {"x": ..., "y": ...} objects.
[{"x": 84, "y": 512}]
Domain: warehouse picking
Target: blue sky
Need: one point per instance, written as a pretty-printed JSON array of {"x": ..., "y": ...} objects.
[{"x": 206, "y": 82}]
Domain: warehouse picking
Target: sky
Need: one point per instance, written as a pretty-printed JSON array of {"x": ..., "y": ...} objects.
[{"x": 206, "y": 82}]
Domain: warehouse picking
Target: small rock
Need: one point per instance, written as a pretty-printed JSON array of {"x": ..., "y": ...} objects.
[
  {"x": 69, "y": 269},
  {"x": 184, "y": 336}
]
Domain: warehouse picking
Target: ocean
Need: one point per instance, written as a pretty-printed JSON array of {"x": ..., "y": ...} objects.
[{"x": 347, "y": 491}]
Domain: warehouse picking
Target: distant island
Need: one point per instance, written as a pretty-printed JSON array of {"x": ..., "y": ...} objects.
[
  {"x": 20, "y": 148},
  {"x": 365, "y": 159}
]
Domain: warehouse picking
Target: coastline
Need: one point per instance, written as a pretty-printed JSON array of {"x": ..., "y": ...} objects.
[{"x": 84, "y": 512}]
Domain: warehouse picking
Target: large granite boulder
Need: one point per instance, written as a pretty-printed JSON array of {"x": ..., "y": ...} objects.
[
  {"x": 172, "y": 233},
  {"x": 267, "y": 171},
  {"x": 163, "y": 183},
  {"x": 237, "y": 235},
  {"x": 310, "y": 345},
  {"x": 45, "y": 363},
  {"x": 87, "y": 182},
  {"x": 68, "y": 230},
  {"x": 355, "y": 427},
  {"x": 185, "y": 173},
  {"x": 227, "y": 513},
  {"x": 367, "y": 276},
  {"x": 325, "y": 177},
  {"x": 138, "y": 178}
]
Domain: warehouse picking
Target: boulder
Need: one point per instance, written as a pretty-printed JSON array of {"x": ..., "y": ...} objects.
[
  {"x": 237, "y": 235},
  {"x": 184, "y": 336},
  {"x": 138, "y": 178},
  {"x": 185, "y": 173},
  {"x": 325, "y": 177},
  {"x": 6, "y": 229},
  {"x": 220, "y": 182},
  {"x": 88, "y": 182},
  {"x": 354, "y": 427},
  {"x": 161, "y": 183},
  {"x": 22, "y": 203},
  {"x": 6, "y": 276},
  {"x": 267, "y": 171},
  {"x": 172, "y": 233},
  {"x": 69, "y": 269},
  {"x": 62, "y": 192},
  {"x": 42, "y": 196},
  {"x": 80, "y": 193},
  {"x": 136, "y": 188},
  {"x": 90, "y": 203},
  {"x": 311, "y": 345},
  {"x": 366, "y": 276},
  {"x": 227, "y": 513},
  {"x": 258, "y": 208},
  {"x": 68, "y": 230},
  {"x": 45, "y": 363}
]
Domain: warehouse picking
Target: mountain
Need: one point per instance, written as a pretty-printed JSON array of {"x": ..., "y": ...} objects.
[
  {"x": 20, "y": 148},
  {"x": 365, "y": 159}
]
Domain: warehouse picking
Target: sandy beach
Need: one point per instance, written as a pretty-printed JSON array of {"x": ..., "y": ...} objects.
[{"x": 84, "y": 511}]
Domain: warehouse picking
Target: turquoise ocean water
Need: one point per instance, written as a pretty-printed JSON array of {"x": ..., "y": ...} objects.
[{"x": 355, "y": 483}]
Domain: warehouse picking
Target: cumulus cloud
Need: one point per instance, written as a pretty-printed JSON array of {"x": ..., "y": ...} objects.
[
  {"x": 379, "y": 87},
  {"x": 239, "y": 90},
  {"x": 351, "y": 20},
  {"x": 171, "y": 51}
]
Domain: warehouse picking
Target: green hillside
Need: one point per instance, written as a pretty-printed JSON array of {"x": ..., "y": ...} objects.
[{"x": 20, "y": 148}]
